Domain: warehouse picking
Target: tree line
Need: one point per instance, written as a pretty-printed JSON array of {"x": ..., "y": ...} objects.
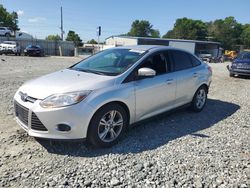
[{"x": 227, "y": 31}]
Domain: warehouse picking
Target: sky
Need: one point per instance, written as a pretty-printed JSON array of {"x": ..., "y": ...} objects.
[{"x": 42, "y": 18}]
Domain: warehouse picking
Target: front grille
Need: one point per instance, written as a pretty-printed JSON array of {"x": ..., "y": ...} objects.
[
  {"x": 22, "y": 113},
  {"x": 36, "y": 124},
  {"x": 243, "y": 66}
]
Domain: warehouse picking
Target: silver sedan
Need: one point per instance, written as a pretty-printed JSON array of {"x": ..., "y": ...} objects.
[{"x": 100, "y": 96}]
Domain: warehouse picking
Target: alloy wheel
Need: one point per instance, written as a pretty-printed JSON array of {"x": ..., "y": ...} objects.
[
  {"x": 201, "y": 98},
  {"x": 110, "y": 126}
]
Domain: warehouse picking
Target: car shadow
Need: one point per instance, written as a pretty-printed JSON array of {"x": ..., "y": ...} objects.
[{"x": 152, "y": 133}]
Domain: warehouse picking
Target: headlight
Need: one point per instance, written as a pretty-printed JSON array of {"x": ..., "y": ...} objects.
[{"x": 64, "y": 99}]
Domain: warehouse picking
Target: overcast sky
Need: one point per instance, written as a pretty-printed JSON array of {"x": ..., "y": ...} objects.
[{"x": 41, "y": 18}]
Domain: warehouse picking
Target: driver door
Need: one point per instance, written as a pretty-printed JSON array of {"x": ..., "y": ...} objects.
[{"x": 156, "y": 94}]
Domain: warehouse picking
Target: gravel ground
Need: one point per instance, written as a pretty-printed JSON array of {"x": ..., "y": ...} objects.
[{"x": 177, "y": 149}]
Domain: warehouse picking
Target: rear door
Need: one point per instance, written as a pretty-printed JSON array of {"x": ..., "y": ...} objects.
[{"x": 186, "y": 75}]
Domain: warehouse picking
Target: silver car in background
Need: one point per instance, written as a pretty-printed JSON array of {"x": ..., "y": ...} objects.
[{"x": 100, "y": 96}]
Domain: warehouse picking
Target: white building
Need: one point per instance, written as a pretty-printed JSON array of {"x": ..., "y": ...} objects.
[
  {"x": 193, "y": 46},
  {"x": 23, "y": 35}
]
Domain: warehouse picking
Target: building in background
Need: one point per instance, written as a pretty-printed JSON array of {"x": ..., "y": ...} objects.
[
  {"x": 23, "y": 35},
  {"x": 193, "y": 46}
]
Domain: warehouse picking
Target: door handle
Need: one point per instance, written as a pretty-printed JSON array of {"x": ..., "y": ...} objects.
[
  {"x": 195, "y": 74},
  {"x": 169, "y": 81}
]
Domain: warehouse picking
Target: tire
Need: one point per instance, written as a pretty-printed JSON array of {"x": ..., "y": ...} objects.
[
  {"x": 231, "y": 75},
  {"x": 199, "y": 99},
  {"x": 7, "y": 35},
  {"x": 102, "y": 132}
]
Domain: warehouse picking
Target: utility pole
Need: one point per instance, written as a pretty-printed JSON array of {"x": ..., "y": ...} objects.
[
  {"x": 98, "y": 32},
  {"x": 62, "y": 24}
]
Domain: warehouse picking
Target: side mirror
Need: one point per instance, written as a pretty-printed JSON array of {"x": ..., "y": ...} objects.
[{"x": 146, "y": 72}]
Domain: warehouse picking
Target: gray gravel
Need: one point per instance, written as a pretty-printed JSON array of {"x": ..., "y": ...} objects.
[{"x": 177, "y": 149}]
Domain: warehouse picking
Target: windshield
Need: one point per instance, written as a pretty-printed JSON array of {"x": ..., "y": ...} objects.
[
  {"x": 8, "y": 42},
  {"x": 110, "y": 62}
]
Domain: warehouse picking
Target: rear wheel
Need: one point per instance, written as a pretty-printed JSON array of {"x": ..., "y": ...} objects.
[
  {"x": 107, "y": 125},
  {"x": 199, "y": 99}
]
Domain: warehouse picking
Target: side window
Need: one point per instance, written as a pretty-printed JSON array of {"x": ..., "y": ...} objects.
[
  {"x": 156, "y": 62},
  {"x": 181, "y": 60},
  {"x": 195, "y": 61}
]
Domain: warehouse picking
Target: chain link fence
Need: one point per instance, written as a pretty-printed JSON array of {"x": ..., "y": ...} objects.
[{"x": 50, "y": 47}]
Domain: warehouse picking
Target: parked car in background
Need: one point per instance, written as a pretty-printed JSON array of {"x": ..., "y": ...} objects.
[
  {"x": 33, "y": 50},
  {"x": 205, "y": 56},
  {"x": 100, "y": 96},
  {"x": 240, "y": 65},
  {"x": 10, "y": 47},
  {"x": 5, "y": 31}
]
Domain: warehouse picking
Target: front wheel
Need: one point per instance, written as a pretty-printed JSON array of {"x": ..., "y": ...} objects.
[
  {"x": 199, "y": 99},
  {"x": 107, "y": 125},
  {"x": 7, "y": 35}
]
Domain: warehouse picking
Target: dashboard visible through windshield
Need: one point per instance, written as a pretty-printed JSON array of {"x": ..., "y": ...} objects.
[{"x": 110, "y": 62}]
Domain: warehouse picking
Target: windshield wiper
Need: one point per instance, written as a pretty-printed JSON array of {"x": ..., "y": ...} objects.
[{"x": 88, "y": 71}]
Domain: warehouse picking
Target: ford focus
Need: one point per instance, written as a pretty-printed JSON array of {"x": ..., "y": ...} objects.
[{"x": 99, "y": 97}]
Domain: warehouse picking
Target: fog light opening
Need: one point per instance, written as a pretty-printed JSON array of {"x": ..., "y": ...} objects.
[{"x": 63, "y": 127}]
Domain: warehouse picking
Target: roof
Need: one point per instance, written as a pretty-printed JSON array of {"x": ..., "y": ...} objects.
[
  {"x": 139, "y": 47},
  {"x": 166, "y": 39},
  {"x": 149, "y": 48}
]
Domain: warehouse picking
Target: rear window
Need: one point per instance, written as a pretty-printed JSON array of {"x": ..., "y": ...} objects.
[
  {"x": 195, "y": 61},
  {"x": 181, "y": 60}
]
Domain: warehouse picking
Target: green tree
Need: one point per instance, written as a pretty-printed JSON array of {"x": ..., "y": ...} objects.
[
  {"x": 53, "y": 37},
  {"x": 185, "y": 28},
  {"x": 8, "y": 19},
  {"x": 72, "y": 36},
  {"x": 92, "y": 41},
  {"x": 245, "y": 36},
  {"x": 227, "y": 31},
  {"x": 142, "y": 28}
]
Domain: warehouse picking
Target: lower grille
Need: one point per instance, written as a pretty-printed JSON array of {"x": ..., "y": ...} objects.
[
  {"x": 36, "y": 124},
  {"x": 22, "y": 113}
]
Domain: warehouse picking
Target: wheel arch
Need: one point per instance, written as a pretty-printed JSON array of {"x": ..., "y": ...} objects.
[
  {"x": 122, "y": 104},
  {"x": 204, "y": 85}
]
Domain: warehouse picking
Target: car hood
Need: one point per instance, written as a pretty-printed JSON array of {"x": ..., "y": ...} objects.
[
  {"x": 65, "y": 81},
  {"x": 243, "y": 61},
  {"x": 28, "y": 49}
]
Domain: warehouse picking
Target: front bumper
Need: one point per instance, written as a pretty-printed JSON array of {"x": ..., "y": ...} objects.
[
  {"x": 8, "y": 51},
  {"x": 32, "y": 53},
  {"x": 41, "y": 122},
  {"x": 244, "y": 72}
]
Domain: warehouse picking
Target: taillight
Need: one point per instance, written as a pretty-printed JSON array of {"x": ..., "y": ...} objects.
[{"x": 209, "y": 69}]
